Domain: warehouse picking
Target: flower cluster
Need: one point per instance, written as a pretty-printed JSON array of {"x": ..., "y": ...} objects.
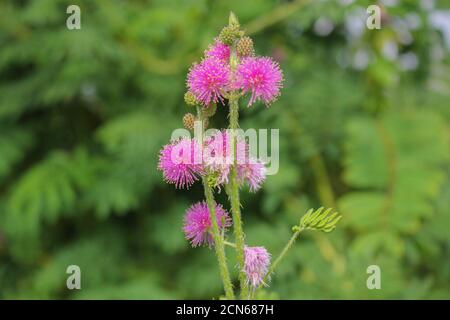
[
  {"x": 214, "y": 78},
  {"x": 228, "y": 71},
  {"x": 184, "y": 161}
]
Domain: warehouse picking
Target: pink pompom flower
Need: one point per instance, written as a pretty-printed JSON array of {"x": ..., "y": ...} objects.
[
  {"x": 181, "y": 162},
  {"x": 197, "y": 223},
  {"x": 219, "y": 51},
  {"x": 256, "y": 265},
  {"x": 208, "y": 80},
  {"x": 261, "y": 76},
  {"x": 218, "y": 154},
  {"x": 253, "y": 172}
]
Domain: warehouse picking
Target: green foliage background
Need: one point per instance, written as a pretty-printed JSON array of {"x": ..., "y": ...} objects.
[{"x": 84, "y": 113}]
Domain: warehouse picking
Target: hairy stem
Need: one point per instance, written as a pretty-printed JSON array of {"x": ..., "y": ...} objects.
[
  {"x": 234, "y": 199},
  {"x": 218, "y": 242},
  {"x": 233, "y": 185},
  {"x": 217, "y": 236}
]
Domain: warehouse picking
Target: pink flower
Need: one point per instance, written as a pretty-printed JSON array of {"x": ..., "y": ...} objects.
[
  {"x": 181, "y": 162},
  {"x": 218, "y": 155},
  {"x": 219, "y": 51},
  {"x": 208, "y": 79},
  {"x": 256, "y": 265},
  {"x": 197, "y": 223},
  {"x": 253, "y": 172},
  {"x": 260, "y": 75}
]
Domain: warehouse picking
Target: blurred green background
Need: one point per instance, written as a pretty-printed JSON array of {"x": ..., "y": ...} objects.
[{"x": 364, "y": 121}]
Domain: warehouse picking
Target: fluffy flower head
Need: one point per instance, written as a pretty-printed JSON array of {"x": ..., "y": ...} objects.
[
  {"x": 219, "y": 51},
  {"x": 256, "y": 265},
  {"x": 253, "y": 172},
  {"x": 208, "y": 79},
  {"x": 180, "y": 163},
  {"x": 197, "y": 223},
  {"x": 218, "y": 155},
  {"x": 261, "y": 76}
]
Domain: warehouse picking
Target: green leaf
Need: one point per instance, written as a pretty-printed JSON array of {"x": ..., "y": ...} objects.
[
  {"x": 398, "y": 170},
  {"x": 320, "y": 219},
  {"x": 46, "y": 192},
  {"x": 13, "y": 144}
]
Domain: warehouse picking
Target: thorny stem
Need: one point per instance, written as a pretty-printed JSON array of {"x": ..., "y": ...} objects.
[{"x": 217, "y": 236}]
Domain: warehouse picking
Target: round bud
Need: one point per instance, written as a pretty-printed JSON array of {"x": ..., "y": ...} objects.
[
  {"x": 244, "y": 47},
  {"x": 190, "y": 99},
  {"x": 229, "y": 34},
  {"x": 189, "y": 121}
]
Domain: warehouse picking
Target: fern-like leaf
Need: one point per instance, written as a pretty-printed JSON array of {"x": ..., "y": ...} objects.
[{"x": 320, "y": 219}]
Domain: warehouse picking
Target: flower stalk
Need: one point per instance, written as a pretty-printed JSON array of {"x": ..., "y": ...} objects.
[
  {"x": 235, "y": 200},
  {"x": 218, "y": 243},
  {"x": 281, "y": 255},
  {"x": 233, "y": 189}
]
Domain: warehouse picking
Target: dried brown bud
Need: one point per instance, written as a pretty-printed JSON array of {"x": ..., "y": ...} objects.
[{"x": 189, "y": 121}]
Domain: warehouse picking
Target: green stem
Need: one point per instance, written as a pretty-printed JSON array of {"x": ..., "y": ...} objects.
[
  {"x": 231, "y": 244},
  {"x": 281, "y": 256},
  {"x": 217, "y": 236},
  {"x": 218, "y": 242},
  {"x": 234, "y": 199},
  {"x": 233, "y": 188}
]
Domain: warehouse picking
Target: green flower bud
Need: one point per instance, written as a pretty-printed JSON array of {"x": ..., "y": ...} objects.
[
  {"x": 229, "y": 34},
  {"x": 233, "y": 21},
  {"x": 190, "y": 99}
]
